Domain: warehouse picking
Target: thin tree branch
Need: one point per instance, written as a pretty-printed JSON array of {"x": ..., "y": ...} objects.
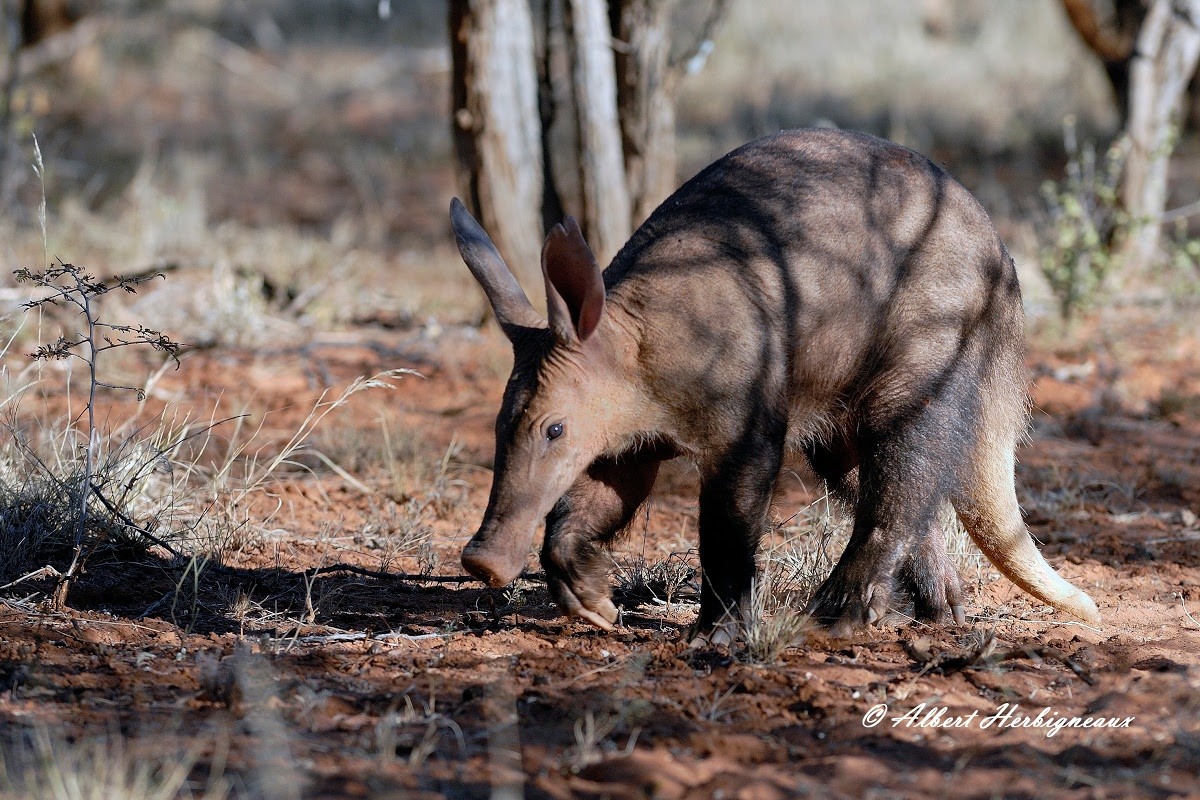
[
  {"x": 1183, "y": 212},
  {"x": 708, "y": 29},
  {"x": 128, "y": 523}
]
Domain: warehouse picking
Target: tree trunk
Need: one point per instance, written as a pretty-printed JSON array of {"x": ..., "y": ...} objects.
[
  {"x": 1111, "y": 36},
  {"x": 532, "y": 116},
  {"x": 1168, "y": 46},
  {"x": 549, "y": 48},
  {"x": 646, "y": 89},
  {"x": 497, "y": 131},
  {"x": 606, "y": 215},
  {"x": 10, "y": 18},
  {"x": 648, "y": 76}
]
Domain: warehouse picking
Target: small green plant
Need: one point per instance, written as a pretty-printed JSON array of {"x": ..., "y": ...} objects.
[
  {"x": 1085, "y": 222},
  {"x": 1180, "y": 270},
  {"x": 68, "y": 286}
]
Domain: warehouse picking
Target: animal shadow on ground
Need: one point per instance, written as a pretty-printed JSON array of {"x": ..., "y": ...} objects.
[{"x": 213, "y": 598}]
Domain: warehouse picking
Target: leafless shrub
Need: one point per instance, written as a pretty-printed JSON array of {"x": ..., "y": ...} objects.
[
  {"x": 716, "y": 707},
  {"x": 809, "y": 544},
  {"x": 666, "y": 581}
]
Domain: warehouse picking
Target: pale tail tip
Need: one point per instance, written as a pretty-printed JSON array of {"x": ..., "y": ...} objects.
[{"x": 1083, "y": 607}]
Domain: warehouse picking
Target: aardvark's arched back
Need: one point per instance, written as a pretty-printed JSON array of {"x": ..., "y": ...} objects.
[{"x": 817, "y": 289}]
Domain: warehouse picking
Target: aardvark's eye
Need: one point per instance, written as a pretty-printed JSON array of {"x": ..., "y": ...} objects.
[{"x": 554, "y": 431}]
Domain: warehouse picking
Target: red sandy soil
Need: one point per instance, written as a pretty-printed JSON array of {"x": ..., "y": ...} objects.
[{"x": 487, "y": 689}]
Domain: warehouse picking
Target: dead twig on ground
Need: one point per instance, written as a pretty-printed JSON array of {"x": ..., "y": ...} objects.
[
  {"x": 44, "y": 572},
  {"x": 984, "y": 654},
  {"x": 352, "y": 636},
  {"x": 130, "y": 524},
  {"x": 1187, "y": 613},
  {"x": 408, "y": 576}
]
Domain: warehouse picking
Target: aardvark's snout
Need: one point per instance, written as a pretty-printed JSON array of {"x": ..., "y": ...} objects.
[{"x": 495, "y": 558}]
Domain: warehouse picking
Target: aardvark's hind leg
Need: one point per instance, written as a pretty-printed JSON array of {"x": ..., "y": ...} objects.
[{"x": 896, "y": 559}]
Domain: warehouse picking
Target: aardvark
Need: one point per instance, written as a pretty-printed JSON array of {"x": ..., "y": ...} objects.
[{"x": 818, "y": 290}]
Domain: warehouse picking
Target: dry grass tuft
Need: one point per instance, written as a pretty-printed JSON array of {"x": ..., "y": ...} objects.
[
  {"x": 41, "y": 766},
  {"x": 132, "y": 504},
  {"x": 773, "y": 621}
]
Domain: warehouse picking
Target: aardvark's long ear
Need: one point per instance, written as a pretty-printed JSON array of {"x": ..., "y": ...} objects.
[
  {"x": 512, "y": 307},
  {"x": 574, "y": 285}
]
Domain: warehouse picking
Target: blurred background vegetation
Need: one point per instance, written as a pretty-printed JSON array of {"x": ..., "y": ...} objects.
[{"x": 308, "y": 142}]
